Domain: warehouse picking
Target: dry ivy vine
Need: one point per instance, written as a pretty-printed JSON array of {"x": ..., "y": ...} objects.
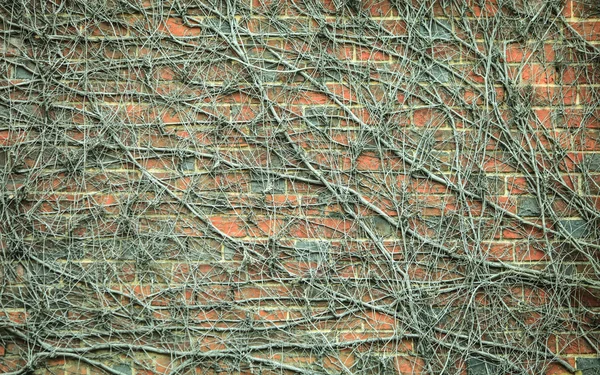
[{"x": 184, "y": 196}]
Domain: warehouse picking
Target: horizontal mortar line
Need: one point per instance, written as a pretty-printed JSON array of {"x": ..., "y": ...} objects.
[
  {"x": 294, "y": 90},
  {"x": 123, "y": 63},
  {"x": 286, "y": 84},
  {"x": 561, "y": 107},
  {"x": 284, "y": 105},
  {"x": 399, "y": 173},
  {"x": 237, "y": 263},
  {"x": 202, "y": 129},
  {"x": 347, "y": 29},
  {"x": 245, "y": 33},
  {"x": 248, "y": 35},
  {"x": 292, "y": 259},
  {"x": 33, "y": 240},
  {"x": 218, "y": 193},
  {"x": 136, "y": 16}
]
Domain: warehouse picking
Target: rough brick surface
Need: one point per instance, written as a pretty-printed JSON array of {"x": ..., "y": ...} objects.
[{"x": 299, "y": 187}]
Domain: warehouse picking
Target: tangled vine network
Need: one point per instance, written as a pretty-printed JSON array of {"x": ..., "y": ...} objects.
[{"x": 299, "y": 186}]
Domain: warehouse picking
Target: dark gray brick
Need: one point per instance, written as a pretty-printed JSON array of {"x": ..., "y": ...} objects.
[
  {"x": 188, "y": 164},
  {"x": 334, "y": 74},
  {"x": 321, "y": 116},
  {"x": 200, "y": 249},
  {"x": 440, "y": 73},
  {"x": 22, "y": 73},
  {"x": 228, "y": 252},
  {"x": 435, "y": 29},
  {"x": 494, "y": 185},
  {"x": 476, "y": 366},
  {"x": 315, "y": 293},
  {"x": 592, "y": 161},
  {"x": 381, "y": 226},
  {"x": 267, "y": 184},
  {"x": 488, "y": 185},
  {"x": 219, "y": 24},
  {"x": 123, "y": 368},
  {"x": 314, "y": 251},
  {"x": 577, "y": 228},
  {"x": 589, "y": 366},
  {"x": 373, "y": 365},
  {"x": 269, "y": 75},
  {"x": 434, "y": 72},
  {"x": 528, "y": 206}
]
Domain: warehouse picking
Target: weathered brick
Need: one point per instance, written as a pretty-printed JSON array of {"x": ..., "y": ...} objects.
[
  {"x": 592, "y": 162},
  {"x": 266, "y": 183},
  {"x": 435, "y": 28},
  {"x": 123, "y": 368},
  {"x": 317, "y": 251},
  {"x": 529, "y": 206},
  {"x": 477, "y": 366},
  {"x": 588, "y": 366},
  {"x": 576, "y": 228},
  {"x": 23, "y": 72}
]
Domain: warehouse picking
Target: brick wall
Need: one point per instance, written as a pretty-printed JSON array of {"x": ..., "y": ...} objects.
[{"x": 300, "y": 187}]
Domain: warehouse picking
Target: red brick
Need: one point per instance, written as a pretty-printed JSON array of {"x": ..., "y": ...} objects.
[
  {"x": 590, "y": 30},
  {"x": 371, "y": 55},
  {"x": 368, "y": 162},
  {"x": 498, "y": 251},
  {"x": 343, "y": 92},
  {"x": 230, "y": 226},
  {"x": 409, "y": 365},
  {"x": 342, "y": 360},
  {"x": 573, "y": 344},
  {"x": 176, "y": 28},
  {"x": 558, "y": 369},
  {"x": 379, "y": 321},
  {"x": 427, "y": 117},
  {"x": 528, "y": 252},
  {"x": 538, "y": 74}
]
